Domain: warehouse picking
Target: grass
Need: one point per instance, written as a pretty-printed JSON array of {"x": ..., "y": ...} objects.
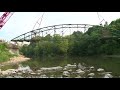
[{"x": 5, "y": 55}]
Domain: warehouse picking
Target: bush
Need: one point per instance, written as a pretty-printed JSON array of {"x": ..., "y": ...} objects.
[{"x": 4, "y": 53}]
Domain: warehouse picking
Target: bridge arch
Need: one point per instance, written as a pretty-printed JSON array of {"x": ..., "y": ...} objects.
[{"x": 62, "y": 29}]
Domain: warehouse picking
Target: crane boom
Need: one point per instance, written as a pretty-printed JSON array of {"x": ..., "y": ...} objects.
[
  {"x": 38, "y": 21},
  {"x": 4, "y": 18}
]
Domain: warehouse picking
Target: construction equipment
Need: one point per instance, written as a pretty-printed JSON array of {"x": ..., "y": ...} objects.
[
  {"x": 99, "y": 18},
  {"x": 4, "y": 18},
  {"x": 39, "y": 23}
]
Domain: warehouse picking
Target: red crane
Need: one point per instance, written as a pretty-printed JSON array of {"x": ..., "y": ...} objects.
[{"x": 4, "y": 18}]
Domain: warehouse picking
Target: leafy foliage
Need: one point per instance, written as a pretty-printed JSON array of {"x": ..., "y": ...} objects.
[{"x": 96, "y": 41}]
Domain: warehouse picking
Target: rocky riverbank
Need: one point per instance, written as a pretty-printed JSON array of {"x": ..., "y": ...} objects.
[{"x": 68, "y": 71}]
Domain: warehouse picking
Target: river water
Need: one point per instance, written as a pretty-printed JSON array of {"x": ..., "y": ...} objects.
[{"x": 109, "y": 64}]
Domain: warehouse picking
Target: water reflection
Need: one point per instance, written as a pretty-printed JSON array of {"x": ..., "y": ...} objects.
[{"x": 110, "y": 64}]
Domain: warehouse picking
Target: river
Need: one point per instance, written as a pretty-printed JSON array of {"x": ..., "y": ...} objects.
[{"x": 109, "y": 64}]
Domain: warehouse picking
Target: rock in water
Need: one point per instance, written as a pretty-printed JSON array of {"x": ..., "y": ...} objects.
[
  {"x": 91, "y": 74},
  {"x": 39, "y": 71},
  {"x": 100, "y": 70},
  {"x": 19, "y": 73},
  {"x": 81, "y": 66},
  {"x": 32, "y": 73},
  {"x": 80, "y": 72},
  {"x": 0, "y": 71},
  {"x": 108, "y": 76},
  {"x": 90, "y": 77},
  {"x": 43, "y": 76},
  {"x": 91, "y": 67},
  {"x": 9, "y": 77},
  {"x": 70, "y": 70},
  {"x": 58, "y": 68},
  {"x": 24, "y": 69},
  {"x": 69, "y": 66},
  {"x": 66, "y": 73}
]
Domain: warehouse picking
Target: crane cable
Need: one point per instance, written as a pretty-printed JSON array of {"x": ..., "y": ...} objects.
[
  {"x": 99, "y": 18},
  {"x": 38, "y": 21},
  {"x": 41, "y": 19}
]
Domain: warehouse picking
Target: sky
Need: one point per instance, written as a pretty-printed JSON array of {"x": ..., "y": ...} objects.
[{"x": 22, "y": 22}]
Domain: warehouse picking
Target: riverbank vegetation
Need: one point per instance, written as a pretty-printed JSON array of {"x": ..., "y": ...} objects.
[
  {"x": 98, "y": 40},
  {"x": 5, "y": 55}
]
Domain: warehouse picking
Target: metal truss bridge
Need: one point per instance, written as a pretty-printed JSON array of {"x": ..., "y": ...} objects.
[{"x": 62, "y": 29}]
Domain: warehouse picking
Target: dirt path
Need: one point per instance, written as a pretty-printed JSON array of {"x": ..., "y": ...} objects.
[{"x": 15, "y": 60}]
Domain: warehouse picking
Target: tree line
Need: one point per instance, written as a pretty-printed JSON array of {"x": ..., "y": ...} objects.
[{"x": 97, "y": 40}]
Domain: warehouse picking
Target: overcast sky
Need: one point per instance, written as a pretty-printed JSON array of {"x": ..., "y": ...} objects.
[{"x": 22, "y": 22}]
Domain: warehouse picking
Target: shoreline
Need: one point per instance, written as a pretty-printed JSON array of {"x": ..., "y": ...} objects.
[{"x": 15, "y": 60}]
